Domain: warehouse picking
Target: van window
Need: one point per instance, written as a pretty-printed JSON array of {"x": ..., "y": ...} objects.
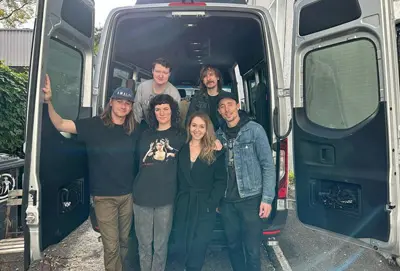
[
  {"x": 341, "y": 84},
  {"x": 122, "y": 75},
  {"x": 65, "y": 70},
  {"x": 240, "y": 88}
]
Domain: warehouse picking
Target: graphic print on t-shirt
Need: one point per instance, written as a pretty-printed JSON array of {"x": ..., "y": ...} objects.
[
  {"x": 159, "y": 150},
  {"x": 230, "y": 153}
]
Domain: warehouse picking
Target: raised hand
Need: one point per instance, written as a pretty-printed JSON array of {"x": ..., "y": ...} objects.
[{"x": 47, "y": 89}]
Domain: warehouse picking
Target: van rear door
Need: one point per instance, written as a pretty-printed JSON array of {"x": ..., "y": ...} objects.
[
  {"x": 55, "y": 188},
  {"x": 345, "y": 89}
]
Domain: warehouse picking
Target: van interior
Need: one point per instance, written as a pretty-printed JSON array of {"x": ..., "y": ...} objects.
[{"x": 223, "y": 39}]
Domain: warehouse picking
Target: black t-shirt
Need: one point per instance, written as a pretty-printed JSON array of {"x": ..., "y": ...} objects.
[
  {"x": 110, "y": 156},
  {"x": 156, "y": 183},
  {"x": 232, "y": 193},
  {"x": 213, "y": 110}
]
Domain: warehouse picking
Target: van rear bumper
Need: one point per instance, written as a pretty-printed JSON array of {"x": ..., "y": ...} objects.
[{"x": 277, "y": 224}]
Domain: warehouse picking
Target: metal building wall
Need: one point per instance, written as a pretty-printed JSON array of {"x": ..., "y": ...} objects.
[{"x": 15, "y": 47}]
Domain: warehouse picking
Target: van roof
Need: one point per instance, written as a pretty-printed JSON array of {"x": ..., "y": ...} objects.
[{"x": 147, "y": 2}]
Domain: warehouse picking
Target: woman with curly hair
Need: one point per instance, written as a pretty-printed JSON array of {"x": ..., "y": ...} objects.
[
  {"x": 155, "y": 186},
  {"x": 202, "y": 179}
]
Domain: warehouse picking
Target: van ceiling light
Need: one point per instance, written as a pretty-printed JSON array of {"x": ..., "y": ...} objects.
[
  {"x": 191, "y": 25},
  {"x": 195, "y": 43},
  {"x": 198, "y": 56}
]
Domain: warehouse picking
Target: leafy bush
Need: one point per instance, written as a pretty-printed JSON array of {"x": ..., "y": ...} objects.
[
  {"x": 13, "y": 96},
  {"x": 291, "y": 177}
]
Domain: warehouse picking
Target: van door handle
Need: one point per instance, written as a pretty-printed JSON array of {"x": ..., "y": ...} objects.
[
  {"x": 323, "y": 154},
  {"x": 327, "y": 155}
]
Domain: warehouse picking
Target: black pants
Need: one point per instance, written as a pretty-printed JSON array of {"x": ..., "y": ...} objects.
[
  {"x": 243, "y": 230},
  {"x": 201, "y": 238}
]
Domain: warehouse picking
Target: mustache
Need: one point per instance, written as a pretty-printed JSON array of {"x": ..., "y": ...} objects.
[{"x": 210, "y": 82}]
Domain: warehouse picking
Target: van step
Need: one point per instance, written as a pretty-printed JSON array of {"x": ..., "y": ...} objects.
[{"x": 11, "y": 245}]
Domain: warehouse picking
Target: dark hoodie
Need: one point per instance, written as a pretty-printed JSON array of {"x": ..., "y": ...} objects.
[
  {"x": 232, "y": 193},
  {"x": 203, "y": 102}
]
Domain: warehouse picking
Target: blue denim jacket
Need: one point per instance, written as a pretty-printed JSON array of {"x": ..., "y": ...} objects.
[{"x": 254, "y": 165}]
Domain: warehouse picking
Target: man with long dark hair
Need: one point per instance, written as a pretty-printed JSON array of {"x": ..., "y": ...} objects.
[
  {"x": 110, "y": 142},
  {"x": 205, "y": 99}
]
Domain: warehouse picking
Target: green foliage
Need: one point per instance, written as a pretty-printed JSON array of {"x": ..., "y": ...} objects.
[
  {"x": 97, "y": 36},
  {"x": 14, "y": 13},
  {"x": 13, "y": 96},
  {"x": 291, "y": 177}
]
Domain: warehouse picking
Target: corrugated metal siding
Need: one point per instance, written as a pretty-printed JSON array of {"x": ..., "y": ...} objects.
[{"x": 15, "y": 46}]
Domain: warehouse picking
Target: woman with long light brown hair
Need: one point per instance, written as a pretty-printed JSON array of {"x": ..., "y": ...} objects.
[{"x": 202, "y": 181}]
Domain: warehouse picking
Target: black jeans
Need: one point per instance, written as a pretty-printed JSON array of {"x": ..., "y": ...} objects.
[{"x": 243, "y": 230}]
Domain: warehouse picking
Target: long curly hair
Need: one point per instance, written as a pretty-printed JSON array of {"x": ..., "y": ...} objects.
[
  {"x": 163, "y": 99},
  {"x": 207, "y": 153}
]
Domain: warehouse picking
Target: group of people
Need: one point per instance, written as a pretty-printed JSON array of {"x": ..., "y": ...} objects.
[{"x": 164, "y": 176}]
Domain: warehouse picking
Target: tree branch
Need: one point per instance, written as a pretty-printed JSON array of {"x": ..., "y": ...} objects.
[{"x": 14, "y": 11}]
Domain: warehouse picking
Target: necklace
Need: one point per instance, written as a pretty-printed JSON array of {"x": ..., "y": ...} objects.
[
  {"x": 194, "y": 151},
  {"x": 192, "y": 145}
]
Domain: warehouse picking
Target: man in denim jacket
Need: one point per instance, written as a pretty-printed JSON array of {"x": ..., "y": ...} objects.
[{"x": 251, "y": 183}]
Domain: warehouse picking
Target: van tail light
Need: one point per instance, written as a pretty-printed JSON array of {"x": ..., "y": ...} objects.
[
  {"x": 271, "y": 232},
  {"x": 180, "y": 4},
  {"x": 283, "y": 170}
]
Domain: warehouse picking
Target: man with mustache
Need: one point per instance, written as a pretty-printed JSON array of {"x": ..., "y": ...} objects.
[{"x": 206, "y": 98}]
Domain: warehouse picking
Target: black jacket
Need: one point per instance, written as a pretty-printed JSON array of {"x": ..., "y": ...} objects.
[
  {"x": 200, "y": 102},
  {"x": 200, "y": 190}
]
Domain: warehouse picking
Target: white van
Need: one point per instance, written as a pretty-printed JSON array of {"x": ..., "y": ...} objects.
[
  {"x": 345, "y": 144},
  {"x": 239, "y": 39}
]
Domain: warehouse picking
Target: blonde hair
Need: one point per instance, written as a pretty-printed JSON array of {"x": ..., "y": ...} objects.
[
  {"x": 208, "y": 141},
  {"x": 129, "y": 123}
]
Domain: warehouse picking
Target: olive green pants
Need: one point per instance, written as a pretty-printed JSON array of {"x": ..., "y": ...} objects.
[{"x": 114, "y": 217}]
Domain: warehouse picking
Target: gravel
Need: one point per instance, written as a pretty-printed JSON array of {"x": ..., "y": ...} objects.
[{"x": 81, "y": 251}]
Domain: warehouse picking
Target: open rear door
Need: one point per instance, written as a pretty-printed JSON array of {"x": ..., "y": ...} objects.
[
  {"x": 56, "y": 194},
  {"x": 345, "y": 138}
]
